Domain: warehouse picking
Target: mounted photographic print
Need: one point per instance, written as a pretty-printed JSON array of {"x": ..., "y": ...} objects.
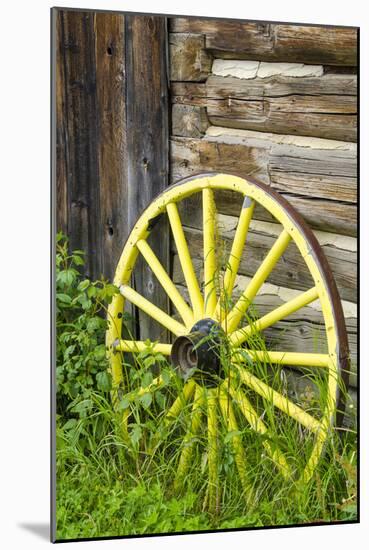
[{"x": 204, "y": 371}]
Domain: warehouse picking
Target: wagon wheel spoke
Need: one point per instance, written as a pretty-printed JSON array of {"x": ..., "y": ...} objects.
[
  {"x": 153, "y": 311},
  {"x": 166, "y": 282},
  {"x": 314, "y": 457},
  {"x": 136, "y": 346},
  {"x": 235, "y": 315},
  {"x": 236, "y": 440},
  {"x": 235, "y": 256},
  {"x": 293, "y": 359},
  {"x": 189, "y": 439},
  {"x": 239, "y": 336},
  {"x": 278, "y": 400},
  {"x": 258, "y": 425},
  {"x": 185, "y": 260},
  {"x": 213, "y": 449},
  {"x": 209, "y": 229}
]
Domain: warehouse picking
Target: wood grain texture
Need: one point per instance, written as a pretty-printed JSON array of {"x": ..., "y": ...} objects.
[
  {"x": 189, "y": 61},
  {"x": 112, "y": 150},
  {"x": 111, "y": 137},
  {"x": 78, "y": 163},
  {"x": 188, "y": 93},
  {"x": 147, "y": 137},
  {"x": 273, "y": 42},
  {"x": 189, "y": 120},
  {"x": 308, "y": 106},
  {"x": 320, "y": 183},
  {"x": 320, "y": 107},
  {"x": 61, "y": 187}
]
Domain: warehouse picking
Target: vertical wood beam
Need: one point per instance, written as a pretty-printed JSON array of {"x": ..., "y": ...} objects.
[
  {"x": 77, "y": 136},
  {"x": 147, "y": 136},
  {"x": 112, "y": 149}
]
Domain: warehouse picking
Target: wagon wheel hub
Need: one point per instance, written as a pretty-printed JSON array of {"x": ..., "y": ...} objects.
[{"x": 197, "y": 354}]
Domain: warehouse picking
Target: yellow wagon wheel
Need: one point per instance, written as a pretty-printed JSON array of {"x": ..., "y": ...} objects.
[{"x": 227, "y": 378}]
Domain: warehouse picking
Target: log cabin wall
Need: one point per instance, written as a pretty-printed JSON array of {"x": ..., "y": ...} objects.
[{"x": 278, "y": 102}]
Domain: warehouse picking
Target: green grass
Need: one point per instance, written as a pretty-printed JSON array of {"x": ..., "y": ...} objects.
[
  {"x": 106, "y": 487},
  {"x": 111, "y": 484}
]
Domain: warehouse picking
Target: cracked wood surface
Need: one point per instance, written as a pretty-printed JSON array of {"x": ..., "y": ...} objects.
[{"x": 264, "y": 41}]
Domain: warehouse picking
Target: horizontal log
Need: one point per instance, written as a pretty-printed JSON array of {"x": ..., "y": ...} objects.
[
  {"x": 274, "y": 87},
  {"x": 263, "y": 41},
  {"x": 188, "y": 58},
  {"x": 320, "y": 107},
  {"x": 323, "y": 107},
  {"x": 330, "y": 85},
  {"x": 319, "y": 181}
]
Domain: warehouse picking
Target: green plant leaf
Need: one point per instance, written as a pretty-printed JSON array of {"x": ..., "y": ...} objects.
[
  {"x": 136, "y": 434},
  {"x": 147, "y": 379},
  {"x": 103, "y": 379},
  {"x": 146, "y": 400},
  {"x": 123, "y": 404},
  {"x": 83, "y": 284},
  {"x": 64, "y": 298}
]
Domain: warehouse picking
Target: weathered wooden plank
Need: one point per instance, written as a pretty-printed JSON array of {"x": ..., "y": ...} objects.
[
  {"x": 329, "y": 86},
  {"x": 61, "y": 187},
  {"x": 80, "y": 165},
  {"x": 147, "y": 144},
  {"x": 286, "y": 116},
  {"x": 191, "y": 156},
  {"x": 108, "y": 169},
  {"x": 321, "y": 107},
  {"x": 189, "y": 61},
  {"x": 110, "y": 86},
  {"x": 308, "y": 173},
  {"x": 328, "y": 215},
  {"x": 189, "y": 120},
  {"x": 273, "y": 42},
  {"x": 294, "y": 182}
]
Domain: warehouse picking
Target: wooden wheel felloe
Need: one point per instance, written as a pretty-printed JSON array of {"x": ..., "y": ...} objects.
[{"x": 227, "y": 376}]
